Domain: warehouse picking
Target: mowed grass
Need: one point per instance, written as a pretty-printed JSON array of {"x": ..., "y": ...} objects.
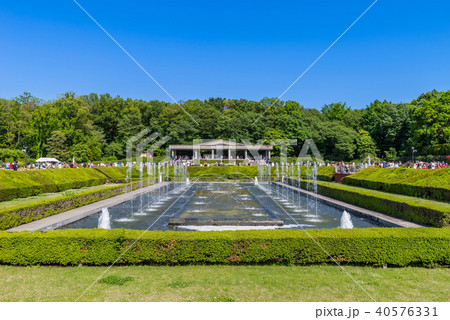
[
  {"x": 223, "y": 283},
  {"x": 49, "y": 196}
]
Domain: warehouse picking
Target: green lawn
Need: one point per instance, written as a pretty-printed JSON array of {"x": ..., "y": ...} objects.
[
  {"x": 48, "y": 196},
  {"x": 223, "y": 283}
]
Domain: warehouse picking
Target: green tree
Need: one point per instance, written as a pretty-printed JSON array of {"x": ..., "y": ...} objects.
[
  {"x": 366, "y": 146},
  {"x": 44, "y": 120},
  {"x": 335, "y": 141},
  {"x": 56, "y": 146},
  {"x": 431, "y": 119},
  {"x": 391, "y": 154},
  {"x": 106, "y": 113},
  {"x": 96, "y": 125},
  {"x": 335, "y": 111},
  {"x": 281, "y": 144},
  {"x": 372, "y": 114},
  {"x": 393, "y": 127},
  {"x": 11, "y": 155},
  {"x": 80, "y": 152},
  {"x": 354, "y": 119}
]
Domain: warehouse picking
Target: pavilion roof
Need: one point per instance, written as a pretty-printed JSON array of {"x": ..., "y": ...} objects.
[{"x": 220, "y": 144}]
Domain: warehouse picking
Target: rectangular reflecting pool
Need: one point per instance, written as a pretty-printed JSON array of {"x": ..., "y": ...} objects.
[{"x": 222, "y": 206}]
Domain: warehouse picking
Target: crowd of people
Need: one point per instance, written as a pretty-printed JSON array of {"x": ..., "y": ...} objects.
[
  {"x": 58, "y": 165},
  {"x": 340, "y": 167},
  {"x": 343, "y": 167},
  {"x": 428, "y": 165}
]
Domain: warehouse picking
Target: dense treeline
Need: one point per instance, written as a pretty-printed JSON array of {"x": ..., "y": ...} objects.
[{"x": 94, "y": 127}]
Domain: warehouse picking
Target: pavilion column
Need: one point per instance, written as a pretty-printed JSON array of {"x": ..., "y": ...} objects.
[
  {"x": 173, "y": 153},
  {"x": 229, "y": 154},
  {"x": 212, "y": 153},
  {"x": 245, "y": 152},
  {"x": 269, "y": 154}
]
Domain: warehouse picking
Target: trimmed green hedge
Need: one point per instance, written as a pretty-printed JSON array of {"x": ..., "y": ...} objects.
[
  {"x": 222, "y": 173},
  {"x": 323, "y": 173},
  {"x": 245, "y": 172},
  {"x": 430, "y": 184},
  {"x": 377, "y": 246},
  {"x": 22, "y": 184},
  {"x": 118, "y": 174},
  {"x": 417, "y": 210},
  {"x": 14, "y": 216}
]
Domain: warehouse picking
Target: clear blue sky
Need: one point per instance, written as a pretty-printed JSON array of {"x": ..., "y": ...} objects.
[{"x": 230, "y": 49}]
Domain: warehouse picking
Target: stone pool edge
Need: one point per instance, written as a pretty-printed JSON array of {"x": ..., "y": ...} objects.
[
  {"x": 70, "y": 216},
  {"x": 381, "y": 218}
]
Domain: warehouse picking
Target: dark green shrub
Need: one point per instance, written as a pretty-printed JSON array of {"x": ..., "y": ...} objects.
[
  {"x": 22, "y": 184},
  {"x": 421, "y": 211},
  {"x": 429, "y": 184},
  {"x": 245, "y": 172},
  {"x": 375, "y": 246},
  {"x": 11, "y": 217},
  {"x": 14, "y": 216},
  {"x": 118, "y": 174}
]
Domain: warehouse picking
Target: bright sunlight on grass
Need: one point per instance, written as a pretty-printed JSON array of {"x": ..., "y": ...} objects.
[{"x": 223, "y": 283}]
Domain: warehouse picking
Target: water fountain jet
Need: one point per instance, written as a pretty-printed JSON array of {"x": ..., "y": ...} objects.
[
  {"x": 346, "y": 221},
  {"x": 104, "y": 221}
]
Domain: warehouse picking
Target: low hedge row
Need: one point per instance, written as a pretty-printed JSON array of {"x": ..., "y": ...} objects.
[
  {"x": 417, "y": 210},
  {"x": 22, "y": 184},
  {"x": 323, "y": 173},
  {"x": 222, "y": 173},
  {"x": 377, "y": 247},
  {"x": 29, "y": 183},
  {"x": 118, "y": 174},
  {"x": 244, "y": 172},
  {"x": 14, "y": 216},
  {"x": 429, "y": 184}
]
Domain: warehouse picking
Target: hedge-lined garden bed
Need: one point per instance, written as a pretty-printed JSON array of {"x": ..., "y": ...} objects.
[
  {"x": 118, "y": 174},
  {"x": 22, "y": 184},
  {"x": 430, "y": 184},
  {"x": 246, "y": 172},
  {"x": 15, "y": 216},
  {"x": 219, "y": 173},
  {"x": 377, "y": 247},
  {"x": 11, "y": 217},
  {"x": 422, "y": 211}
]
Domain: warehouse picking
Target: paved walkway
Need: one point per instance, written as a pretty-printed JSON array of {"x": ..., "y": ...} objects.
[
  {"x": 381, "y": 218},
  {"x": 61, "y": 219}
]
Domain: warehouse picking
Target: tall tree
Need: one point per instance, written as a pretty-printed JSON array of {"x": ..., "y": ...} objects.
[
  {"x": 431, "y": 119},
  {"x": 393, "y": 127},
  {"x": 335, "y": 111},
  {"x": 366, "y": 146},
  {"x": 56, "y": 146}
]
